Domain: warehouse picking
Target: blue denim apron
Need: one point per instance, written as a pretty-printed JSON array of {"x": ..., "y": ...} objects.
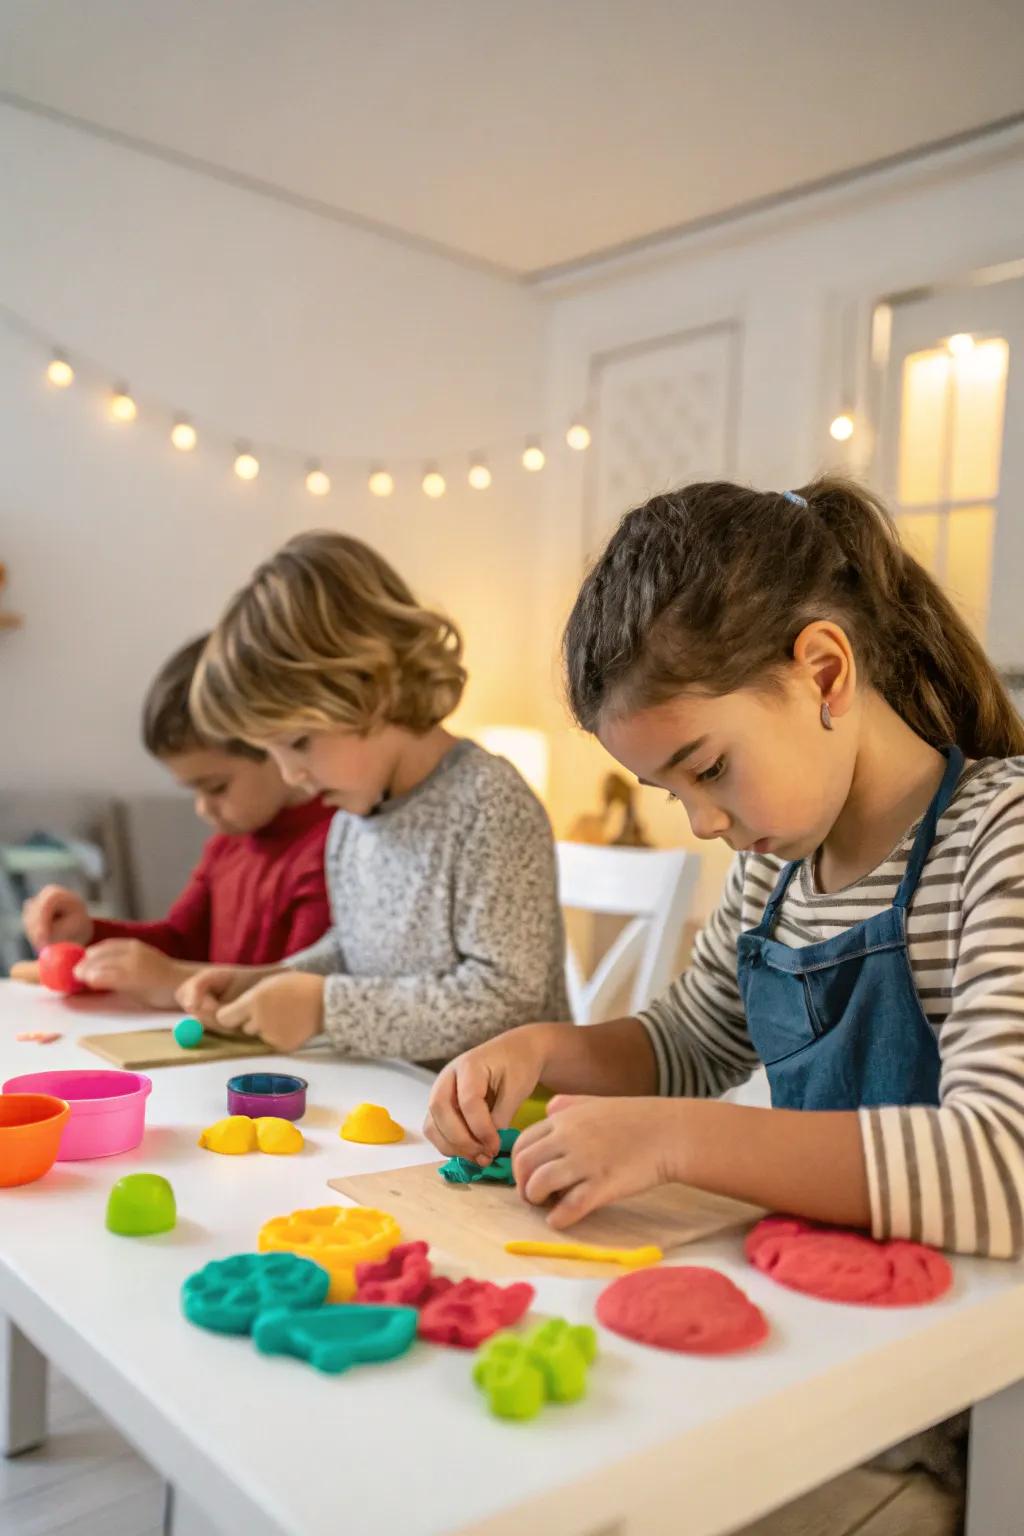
[{"x": 839, "y": 1024}]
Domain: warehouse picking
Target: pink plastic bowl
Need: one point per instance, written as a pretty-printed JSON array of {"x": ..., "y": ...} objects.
[{"x": 108, "y": 1109}]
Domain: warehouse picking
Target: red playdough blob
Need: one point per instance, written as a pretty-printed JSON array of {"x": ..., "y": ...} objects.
[
  {"x": 837, "y": 1265},
  {"x": 686, "y": 1307},
  {"x": 402, "y": 1279},
  {"x": 56, "y": 966},
  {"x": 469, "y": 1311}
]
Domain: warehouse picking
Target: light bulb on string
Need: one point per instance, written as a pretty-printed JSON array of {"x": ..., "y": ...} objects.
[
  {"x": 433, "y": 483},
  {"x": 842, "y": 427},
  {"x": 247, "y": 465},
  {"x": 533, "y": 456},
  {"x": 479, "y": 476},
  {"x": 183, "y": 435},
  {"x": 122, "y": 406},
  {"x": 60, "y": 372},
  {"x": 578, "y": 436},
  {"x": 318, "y": 482},
  {"x": 380, "y": 482}
]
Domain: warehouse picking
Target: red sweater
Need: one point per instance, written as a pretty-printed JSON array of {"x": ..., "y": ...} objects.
[{"x": 251, "y": 900}]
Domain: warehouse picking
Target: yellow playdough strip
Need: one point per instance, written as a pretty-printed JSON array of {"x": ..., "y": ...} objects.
[{"x": 630, "y": 1258}]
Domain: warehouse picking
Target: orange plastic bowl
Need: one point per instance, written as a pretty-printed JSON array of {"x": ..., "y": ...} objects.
[{"x": 30, "y": 1131}]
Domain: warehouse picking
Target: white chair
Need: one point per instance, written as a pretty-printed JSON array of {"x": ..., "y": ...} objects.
[{"x": 655, "y": 888}]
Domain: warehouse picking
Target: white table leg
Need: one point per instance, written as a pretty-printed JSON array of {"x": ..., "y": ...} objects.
[
  {"x": 22, "y": 1392},
  {"x": 182, "y": 1517},
  {"x": 995, "y": 1477}
]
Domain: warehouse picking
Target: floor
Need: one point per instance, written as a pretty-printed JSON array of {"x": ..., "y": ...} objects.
[{"x": 87, "y": 1481}]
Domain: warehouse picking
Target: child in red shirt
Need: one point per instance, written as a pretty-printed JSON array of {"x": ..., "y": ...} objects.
[{"x": 257, "y": 893}]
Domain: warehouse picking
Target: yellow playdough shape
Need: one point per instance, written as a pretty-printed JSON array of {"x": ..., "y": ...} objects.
[
  {"x": 337, "y": 1237},
  {"x": 233, "y": 1136},
  {"x": 596, "y": 1253},
  {"x": 278, "y": 1136},
  {"x": 371, "y": 1123}
]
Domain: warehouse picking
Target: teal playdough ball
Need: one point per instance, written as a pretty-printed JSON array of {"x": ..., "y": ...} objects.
[
  {"x": 188, "y": 1033},
  {"x": 140, "y": 1204}
]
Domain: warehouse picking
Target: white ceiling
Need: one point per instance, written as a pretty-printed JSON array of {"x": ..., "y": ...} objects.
[{"x": 526, "y": 133}]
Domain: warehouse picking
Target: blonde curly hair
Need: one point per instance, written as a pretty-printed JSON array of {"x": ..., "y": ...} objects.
[{"x": 326, "y": 634}]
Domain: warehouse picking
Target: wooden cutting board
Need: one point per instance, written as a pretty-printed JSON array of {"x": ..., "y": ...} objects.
[
  {"x": 471, "y": 1223},
  {"x": 137, "y": 1049}
]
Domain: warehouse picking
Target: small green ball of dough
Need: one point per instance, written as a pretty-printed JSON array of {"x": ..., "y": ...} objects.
[{"x": 188, "y": 1033}]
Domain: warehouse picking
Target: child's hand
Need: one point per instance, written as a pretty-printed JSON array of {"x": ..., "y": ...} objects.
[
  {"x": 284, "y": 1010},
  {"x": 26, "y": 970},
  {"x": 208, "y": 989},
  {"x": 128, "y": 965},
  {"x": 478, "y": 1093},
  {"x": 56, "y": 916},
  {"x": 589, "y": 1152}
]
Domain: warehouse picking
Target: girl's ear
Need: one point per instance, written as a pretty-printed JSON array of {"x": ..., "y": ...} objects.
[{"x": 823, "y": 652}]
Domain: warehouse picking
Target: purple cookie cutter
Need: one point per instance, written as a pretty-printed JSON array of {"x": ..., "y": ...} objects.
[{"x": 267, "y": 1093}]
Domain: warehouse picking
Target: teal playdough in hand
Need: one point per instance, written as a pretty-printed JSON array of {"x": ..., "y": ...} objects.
[
  {"x": 462, "y": 1170},
  {"x": 141, "y": 1204}
]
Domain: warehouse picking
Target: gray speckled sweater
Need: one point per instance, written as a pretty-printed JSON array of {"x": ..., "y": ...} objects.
[{"x": 446, "y": 924}]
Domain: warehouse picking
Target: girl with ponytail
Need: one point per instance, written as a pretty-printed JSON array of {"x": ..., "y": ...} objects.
[{"x": 784, "y": 668}]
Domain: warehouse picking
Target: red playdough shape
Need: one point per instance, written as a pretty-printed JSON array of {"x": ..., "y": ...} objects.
[
  {"x": 56, "y": 968},
  {"x": 838, "y": 1265},
  {"x": 686, "y": 1307},
  {"x": 469, "y": 1311},
  {"x": 401, "y": 1279}
]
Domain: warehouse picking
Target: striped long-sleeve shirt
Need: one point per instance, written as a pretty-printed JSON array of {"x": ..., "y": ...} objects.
[{"x": 951, "y": 1175}]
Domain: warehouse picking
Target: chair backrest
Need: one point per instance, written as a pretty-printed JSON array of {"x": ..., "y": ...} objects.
[{"x": 653, "y": 887}]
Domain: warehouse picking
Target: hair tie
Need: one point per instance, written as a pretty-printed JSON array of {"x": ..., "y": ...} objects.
[{"x": 794, "y": 497}]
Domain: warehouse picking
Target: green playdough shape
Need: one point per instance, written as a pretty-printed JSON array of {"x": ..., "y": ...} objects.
[
  {"x": 549, "y": 1363},
  {"x": 227, "y": 1295},
  {"x": 462, "y": 1170},
  {"x": 140, "y": 1204},
  {"x": 188, "y": 1034},
  {"x": 333, "y": 1338}
]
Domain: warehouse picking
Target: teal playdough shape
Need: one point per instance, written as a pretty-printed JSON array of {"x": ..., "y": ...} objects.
[
  {"x": 548, "y": 1364},
  {"x": 333, "y": 1338},
  {"x": 188, "y": 1033},
  {"x": 140, "y": 1204},
  {"x": 462, "y": 1170},
  {"x": 228, "y": 1295}
]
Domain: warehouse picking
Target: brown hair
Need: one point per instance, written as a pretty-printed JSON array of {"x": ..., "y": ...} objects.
[
  {"x": 708, "y": 587},
  {"x": 326, "y": 633},
  {"x": 167, "y": 724}
]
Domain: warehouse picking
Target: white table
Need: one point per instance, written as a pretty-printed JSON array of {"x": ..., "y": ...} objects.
[{"x": 663, "y": 1443}]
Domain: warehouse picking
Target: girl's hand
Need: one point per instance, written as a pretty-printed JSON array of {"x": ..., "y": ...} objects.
[
  {"x": 478, "y": 1093},
  {"x": 590, "y": 1152},
  {"x": 284, "y": 1010},
  {"x": 56, "y": 916},
  {"x": 128, "y": 965},
  {"x": 213, "y": 986}
]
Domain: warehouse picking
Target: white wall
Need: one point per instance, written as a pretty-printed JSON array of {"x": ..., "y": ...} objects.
[
  {"x": 788, "y": 281},
  {"x": 259, "y": 319}
]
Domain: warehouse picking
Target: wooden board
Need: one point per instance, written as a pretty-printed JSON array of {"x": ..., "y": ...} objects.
[
  {"x": 137, "y": 1049},
  {"x": 471, "y": 1223}
]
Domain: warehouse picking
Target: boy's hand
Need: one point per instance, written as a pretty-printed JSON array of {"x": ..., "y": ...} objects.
[
  {"x": 56, "y": 916},
  {"x": 285, "y": 1010},
  {"x": 590, "y": 1152},
  {"x": 210, "y": 988},
  {"x": 128, "y": 965},
  {"x": 478, "y": 1093}
]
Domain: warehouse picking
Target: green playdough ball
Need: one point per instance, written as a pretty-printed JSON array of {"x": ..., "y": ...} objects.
[
  {"x": 188, "y": 1033},
  {"x": 140, "y": 1204}
]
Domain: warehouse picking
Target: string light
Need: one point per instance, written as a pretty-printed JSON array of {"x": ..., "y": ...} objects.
[
  {"x": 318, "y": 483},
  {"x": 434, "y": 484},
  {"x": 381, "y": 483},
  {"x": 60, "y": 372},
  {"x": 247, "y": 465},
  {"x": 122, "y": 406},
  {"x": 961, "y": 344},
  {"x": 533, "y": 456},
  {"x": 183, "y": 435},
  {"x": 578, "y": 436},
  {"x": 842, "y": 427},
  {"x": 479, "y": 476}
]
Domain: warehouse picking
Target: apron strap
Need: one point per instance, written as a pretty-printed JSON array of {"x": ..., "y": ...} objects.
[
  {"x": 771, "y": 911},
  {"x": 926, "y": 831}
]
